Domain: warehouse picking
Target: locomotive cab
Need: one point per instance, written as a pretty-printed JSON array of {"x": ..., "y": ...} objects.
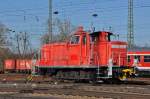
[
  {"x": 101, "y": 36},
  {"x": 78, "y": 48}
]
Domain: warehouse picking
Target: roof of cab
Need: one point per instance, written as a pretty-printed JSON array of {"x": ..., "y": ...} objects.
[{"x": 98, "y": 32}]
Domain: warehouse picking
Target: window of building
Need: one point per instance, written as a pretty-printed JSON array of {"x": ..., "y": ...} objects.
[
  {"x": 146, "y": 58},
  {"x": 75, "y": 40},
  {"x": 129, "y": 58},
  {"x": 137, "y": 57}
]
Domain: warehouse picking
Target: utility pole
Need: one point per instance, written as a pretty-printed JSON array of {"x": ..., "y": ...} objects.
[
  {"x": 50, "y": 21},
  {"x": 130, "y": 35}
]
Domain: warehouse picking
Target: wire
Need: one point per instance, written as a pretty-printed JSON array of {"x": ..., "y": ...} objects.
[{"x": 68, "y": 8}]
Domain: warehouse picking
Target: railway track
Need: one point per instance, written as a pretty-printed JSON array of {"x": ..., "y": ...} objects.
[
  {"x": 16, "y": 85},
  {"x": 82, "y": 90},
  {"x": 23, "y": 78}
]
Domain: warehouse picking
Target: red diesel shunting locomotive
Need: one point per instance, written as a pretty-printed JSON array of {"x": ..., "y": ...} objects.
[
  {"x": 83, "y": 52},
  {"x": 85, "y": 56}
]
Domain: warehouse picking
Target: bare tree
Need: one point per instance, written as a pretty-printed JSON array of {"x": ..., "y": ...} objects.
[
  {"x": 3, "y": 31},
  {"x": 21, "y": 44},
  {"x": 45, "y": 39},
  {"x": 61, "y": 31},
  {"x": 4, "y": 51}
]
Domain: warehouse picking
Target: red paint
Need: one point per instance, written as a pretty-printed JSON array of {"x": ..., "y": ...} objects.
[
  {"x": 9, "y": 64},
  {"x": 23, "y": 64},
  {"x": 82, "y": 52},
  {"x": 141, "y": 63}
]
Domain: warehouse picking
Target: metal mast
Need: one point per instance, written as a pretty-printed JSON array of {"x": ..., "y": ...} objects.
[
  {"x": 130, "y": 35},
  {"x": 50, "y": 21}
]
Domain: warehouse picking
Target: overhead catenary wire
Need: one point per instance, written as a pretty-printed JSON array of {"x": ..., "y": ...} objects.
[{"x": 78, "y": 8}]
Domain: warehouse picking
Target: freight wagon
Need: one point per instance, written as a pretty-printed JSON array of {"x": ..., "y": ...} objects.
[
  {"x": 9, "y": 65},
  {"x": 18, "y": 65}
]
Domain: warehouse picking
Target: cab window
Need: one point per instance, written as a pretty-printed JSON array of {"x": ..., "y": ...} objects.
[
  {"x": 94, "y": 39},
  {"x": 75, "y": 40},
  {"x": 84, "y": 39}
]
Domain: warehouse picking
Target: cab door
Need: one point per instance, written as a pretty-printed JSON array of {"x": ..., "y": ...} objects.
[
  {"x": 84, "y": 56},
  {"x": 75, "y": 51}
]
